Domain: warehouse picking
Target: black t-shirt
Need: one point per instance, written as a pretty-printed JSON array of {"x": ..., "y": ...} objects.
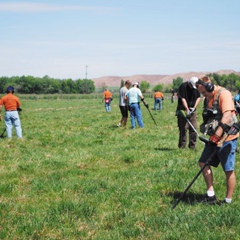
[{"x": 189, "y": 94}]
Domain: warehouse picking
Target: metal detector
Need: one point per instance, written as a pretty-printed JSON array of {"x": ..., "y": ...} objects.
[
  {"x": 195, "y": 178},
  {"x": 146, "y": 105},
  {"x": 193, "y": 128},
  {"x": 1, "y": 136},
  {"x": 233, "y": 131}
]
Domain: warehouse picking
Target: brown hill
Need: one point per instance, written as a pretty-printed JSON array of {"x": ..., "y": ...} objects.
[{"x": 115, "y": 81}]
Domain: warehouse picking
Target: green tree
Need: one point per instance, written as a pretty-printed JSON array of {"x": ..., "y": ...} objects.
[
  {"x": 231, "y": 81},
  {"x": 122, "y": 83},
  {"x": 4, "y": 81},
  {"x": 158, "y": 87},
  {"x": 90, "y": 85},
  {"x": 176, "y": 83},
  {"x": 144, "y": 86}
]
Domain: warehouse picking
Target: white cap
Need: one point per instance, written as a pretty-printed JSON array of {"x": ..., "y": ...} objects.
[
  {"x": 136, "y": 83},
  {"x": 193, "y": 81}
]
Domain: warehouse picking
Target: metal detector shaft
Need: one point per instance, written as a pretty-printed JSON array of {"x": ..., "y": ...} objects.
[
  {"x": 195, "y": 178},
  {"x": 204, "y": 140},
  {"x": 193, "y": 128},
  {"x": 149, "y": 112},
  {"x": 1, "y": 136}
]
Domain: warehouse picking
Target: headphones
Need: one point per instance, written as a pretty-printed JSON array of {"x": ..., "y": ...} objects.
[{"x": 209, "y": 86}]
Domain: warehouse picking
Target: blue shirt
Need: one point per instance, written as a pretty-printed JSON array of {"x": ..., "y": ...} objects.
[{"x": 133, "y": 95}]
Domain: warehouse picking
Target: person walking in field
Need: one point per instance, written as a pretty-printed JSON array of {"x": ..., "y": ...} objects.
[
  {"x": 172, "y": 95},
  {"x": 12, "y": 106},
  {"x": 158, "y": 98},
  {"x": 133, "y": 97},
  {"x": 219, "y": 109},
  {"x": 123, "y": 104},
  {"x": 107, "y": 97},
  {"x": 188, "y": 100}
]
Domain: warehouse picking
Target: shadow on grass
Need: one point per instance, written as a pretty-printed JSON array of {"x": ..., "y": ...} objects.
[
  {"x": 114, "y": 127},
  {"x": 164, "y": 149},
  {"x": 189, "y": 198}
]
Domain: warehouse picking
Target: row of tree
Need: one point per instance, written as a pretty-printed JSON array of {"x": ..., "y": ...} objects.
[
  {"x": 46, "y": 85},
  {"x": 231, "y": 81}
]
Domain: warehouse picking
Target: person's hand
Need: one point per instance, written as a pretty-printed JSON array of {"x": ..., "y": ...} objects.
[
  {"x": 188, "y": 113},
  {"x": 0, "y": 117},
  {"x": 214, "y": 139},
  {"x": 192, "y": 110}
]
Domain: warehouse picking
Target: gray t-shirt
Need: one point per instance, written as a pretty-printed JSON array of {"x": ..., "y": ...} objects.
[{"x": 122, "y": 93}]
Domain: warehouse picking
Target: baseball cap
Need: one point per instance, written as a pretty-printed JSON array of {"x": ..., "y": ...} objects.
[
  {"x": 193, "y": 81},
  {"x": 10, "y": 88},
  {"x": 136, "y": 83}
]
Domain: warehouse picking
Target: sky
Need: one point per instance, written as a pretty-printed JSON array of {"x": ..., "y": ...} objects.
[{"x": 81, "y": 39}]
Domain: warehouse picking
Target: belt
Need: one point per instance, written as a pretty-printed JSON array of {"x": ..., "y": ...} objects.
[
  {"x": 134, "y": 103},
  {"x": 11, "y": 110}
]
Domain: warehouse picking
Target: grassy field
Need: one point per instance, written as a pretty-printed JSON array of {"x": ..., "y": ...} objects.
[{"x": 75, "y": 175}]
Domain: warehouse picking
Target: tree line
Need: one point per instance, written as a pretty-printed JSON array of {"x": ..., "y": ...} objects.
[
  {"x": 46, "y": 85},
  {"x": 231, "y": 81}
]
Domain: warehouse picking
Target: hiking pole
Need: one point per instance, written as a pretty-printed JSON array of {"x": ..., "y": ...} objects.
[
  {"x": 232, "y": 131},
  {"x": 193, "y": 128},
  {"x": 146, "y": 105}
]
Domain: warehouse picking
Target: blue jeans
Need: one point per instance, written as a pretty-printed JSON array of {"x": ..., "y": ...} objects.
[
  {"x": 12, "y": 119},
  {"x": 158, "y": 102},
  {"x": 225, "y": 155},
  {"x": 108, "y": 107},
  {"x": 136, "y": 112}
]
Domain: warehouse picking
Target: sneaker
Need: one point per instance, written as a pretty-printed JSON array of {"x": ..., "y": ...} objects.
[
  {"x": 223, "y": 202},
  {"x": 209, "y": 200}
]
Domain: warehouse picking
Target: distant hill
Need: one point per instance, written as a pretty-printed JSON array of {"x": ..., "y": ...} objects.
[{"x": 115, "y": 81}]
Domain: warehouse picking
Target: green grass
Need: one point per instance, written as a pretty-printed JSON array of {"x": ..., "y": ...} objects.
[{"x": 75, "y": 175}]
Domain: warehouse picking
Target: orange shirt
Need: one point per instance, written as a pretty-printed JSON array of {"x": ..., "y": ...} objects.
[
  {"x": 10, "y": 102},
  {"x": 225, "y": 104},
  {"x": 158, "y": 95},
  {"x": 107, "y": 94}
]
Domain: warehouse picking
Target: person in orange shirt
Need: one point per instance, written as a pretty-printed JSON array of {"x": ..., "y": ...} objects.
[
  {"x": 12, "y": 106},
  {"x": 219, "y": 106},
  {"x": 107, "y": 97},
  {"x": 158, "y": 98}
]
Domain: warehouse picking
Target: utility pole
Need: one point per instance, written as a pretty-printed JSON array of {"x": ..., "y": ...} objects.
[
  {"x": 86, "y": 71},
  {"x": 86, "y": 80}
]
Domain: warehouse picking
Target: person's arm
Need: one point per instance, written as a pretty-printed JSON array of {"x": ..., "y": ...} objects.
[
  {"x": 126, "y": 99},
  {"x": 184, "y": 102},
  {"x": 0, "y": 112},
  {"x": 196, "y": 104}
]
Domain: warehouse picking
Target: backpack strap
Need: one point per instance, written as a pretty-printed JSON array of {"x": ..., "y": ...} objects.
[{"x": 215, "y": 103}]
